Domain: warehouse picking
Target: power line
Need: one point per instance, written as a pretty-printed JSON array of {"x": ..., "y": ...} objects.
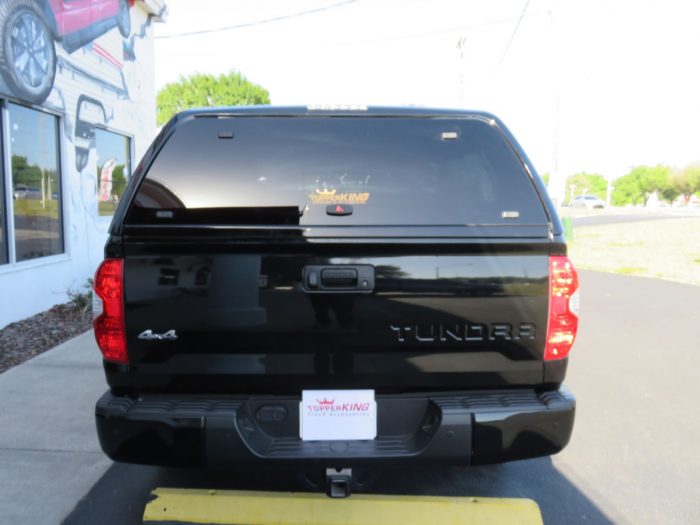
[
  {"x": 258, "y": 22},
  {"x": 439, "y": 32},
  {"x": 515, "y": 30}
]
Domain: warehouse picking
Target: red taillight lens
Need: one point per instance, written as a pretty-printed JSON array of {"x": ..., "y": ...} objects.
[
  {"x": 563, "y": 308},
  {"x": 109, "y": 324}
]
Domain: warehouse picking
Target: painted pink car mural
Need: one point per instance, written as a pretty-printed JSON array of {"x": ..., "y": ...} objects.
[{"x": 31, "y": 28}]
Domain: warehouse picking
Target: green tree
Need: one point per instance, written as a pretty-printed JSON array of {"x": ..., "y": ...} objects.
[
  {"x": 640, "y": 183},
  {"x": 118, "y": 180},
  {"x": 653, "y": 178},
  {"x": 23, "y": 173},
  {"x": 587, "y": 183},
  {"x": 686, "y": 182},
  {"x": 627, "y": 191},
  {"x": 201, "y": 90}
]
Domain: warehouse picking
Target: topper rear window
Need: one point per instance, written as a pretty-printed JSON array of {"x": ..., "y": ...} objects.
[{"x": 289, "y": 170}]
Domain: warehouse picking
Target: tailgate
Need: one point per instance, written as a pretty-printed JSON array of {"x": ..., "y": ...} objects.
[{"x": 369, "y": 318}]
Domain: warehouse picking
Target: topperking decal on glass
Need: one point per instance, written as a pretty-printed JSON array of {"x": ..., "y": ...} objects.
[
  {"x": 329, "y": 415},
  {"x": 332, "y": 196}
]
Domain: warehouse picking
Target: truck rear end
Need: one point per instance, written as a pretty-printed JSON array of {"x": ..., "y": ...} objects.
[{"x": 329, "y": 287}]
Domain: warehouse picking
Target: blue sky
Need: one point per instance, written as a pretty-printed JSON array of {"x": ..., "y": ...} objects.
[
  {"x": 29, "y": 129},
  {"x": 584, "y": 84}
]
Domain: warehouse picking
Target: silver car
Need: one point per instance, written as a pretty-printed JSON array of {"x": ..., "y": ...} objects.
[{"x": 587, "y": 201}]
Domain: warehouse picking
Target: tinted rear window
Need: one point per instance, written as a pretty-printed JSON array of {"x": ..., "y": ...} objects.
[{"x": 295, "y": 170}]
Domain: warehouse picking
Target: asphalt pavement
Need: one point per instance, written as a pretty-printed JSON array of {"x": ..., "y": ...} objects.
[
  {"x": 633, "y": 457},
  {"x": 601, "y": 217}
]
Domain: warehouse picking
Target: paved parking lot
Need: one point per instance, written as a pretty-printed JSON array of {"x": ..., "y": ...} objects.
[
  {"x": 580, "y": 217},
  {"x": 633, "y": 457}
]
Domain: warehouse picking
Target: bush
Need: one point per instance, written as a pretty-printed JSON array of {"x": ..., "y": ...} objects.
[{"x": 81, "y": 299}]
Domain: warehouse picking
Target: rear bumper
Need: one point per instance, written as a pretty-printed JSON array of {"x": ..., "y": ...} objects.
[{"x": 441, "y": 428}]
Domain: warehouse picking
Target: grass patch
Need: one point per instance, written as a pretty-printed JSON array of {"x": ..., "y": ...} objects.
[
  {"x": 106, "y": 208},
  {"x": 34, "y": 208},
  {"x": 658, "y": 248},
  {"x": 632, "y": 270}
]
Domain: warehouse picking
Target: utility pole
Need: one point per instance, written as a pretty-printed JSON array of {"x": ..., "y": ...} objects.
[
  {"x": 556, "y": 186},
  {"x": 460, "y": 47},
  {"x": 554, "y": 183}
]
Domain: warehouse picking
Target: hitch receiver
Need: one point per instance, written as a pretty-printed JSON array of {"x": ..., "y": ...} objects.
[{"x": 338, "y": 482}]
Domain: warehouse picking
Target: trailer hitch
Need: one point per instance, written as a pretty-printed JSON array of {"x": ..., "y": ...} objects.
[{"x": 338, "y": 482}]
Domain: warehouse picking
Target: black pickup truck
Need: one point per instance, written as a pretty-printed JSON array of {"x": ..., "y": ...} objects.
[{"x": 335, "y": 287}]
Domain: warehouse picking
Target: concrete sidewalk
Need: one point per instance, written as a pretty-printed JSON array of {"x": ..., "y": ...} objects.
[{"x": 49, "y": 454}]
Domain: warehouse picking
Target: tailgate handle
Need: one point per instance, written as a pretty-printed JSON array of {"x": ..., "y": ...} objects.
[
  {"x": 339, "y": 277},
  {"x": 332, "y": 278}
]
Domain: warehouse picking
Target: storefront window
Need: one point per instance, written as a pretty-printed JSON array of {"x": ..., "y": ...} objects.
[
  {"x": 36, "y": 183},
  {"x": 113, "y": 169}
]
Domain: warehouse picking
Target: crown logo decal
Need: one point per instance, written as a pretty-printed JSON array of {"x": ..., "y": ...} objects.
[
  {"x": 325, "y": 401},
  {"x": 328, "y": 196}
]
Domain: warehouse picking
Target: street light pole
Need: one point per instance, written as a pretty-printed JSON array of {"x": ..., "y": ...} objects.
[{"x": 557, "y": 184}]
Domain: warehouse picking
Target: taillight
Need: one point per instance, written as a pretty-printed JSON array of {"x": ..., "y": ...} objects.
[
  {"x": 563, "y": 308},
  {"x": 109, "y": 323}
]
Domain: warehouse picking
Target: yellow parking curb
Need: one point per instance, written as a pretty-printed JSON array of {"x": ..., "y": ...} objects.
[{"x": 281, "y": 508}]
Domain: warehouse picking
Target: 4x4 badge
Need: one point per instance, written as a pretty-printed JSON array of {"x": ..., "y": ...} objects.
[{"x": 149, "y": 335}]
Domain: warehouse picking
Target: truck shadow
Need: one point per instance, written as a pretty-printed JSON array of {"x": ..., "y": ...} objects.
[{"x": 127, "y": 488}]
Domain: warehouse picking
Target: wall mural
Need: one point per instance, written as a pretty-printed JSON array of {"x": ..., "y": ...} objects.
[
  {"x": 33, "y": 28},
  {"x": 77, "y": 57}
]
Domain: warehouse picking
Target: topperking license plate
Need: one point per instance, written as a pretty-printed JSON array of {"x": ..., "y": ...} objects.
[{"x": 337, "y": 415}]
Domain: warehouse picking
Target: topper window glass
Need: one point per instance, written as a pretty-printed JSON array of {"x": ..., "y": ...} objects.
[
  {"x": 113, "y": 169},
  {"x": 36, "y": 183},
  {"x": 393, "y": 171}
]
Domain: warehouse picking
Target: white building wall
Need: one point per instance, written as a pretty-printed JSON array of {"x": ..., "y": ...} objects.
[{"x": 125, "y": 89}]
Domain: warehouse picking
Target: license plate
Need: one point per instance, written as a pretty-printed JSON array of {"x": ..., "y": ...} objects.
[{"x": 337, "y": 415}]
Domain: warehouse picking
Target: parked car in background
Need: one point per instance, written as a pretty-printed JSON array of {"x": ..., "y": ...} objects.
[
  {"x": 587, "y": 201},
  {"x": 20, "y": 191}
]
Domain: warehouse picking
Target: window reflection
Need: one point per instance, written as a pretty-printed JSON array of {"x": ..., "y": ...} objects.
[
  {"x": 113, "y": 169},
  {"x": 36, "y": 183}
]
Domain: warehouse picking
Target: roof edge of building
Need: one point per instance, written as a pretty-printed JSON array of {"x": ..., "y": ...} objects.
[{"x": 157, "y": 8}]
